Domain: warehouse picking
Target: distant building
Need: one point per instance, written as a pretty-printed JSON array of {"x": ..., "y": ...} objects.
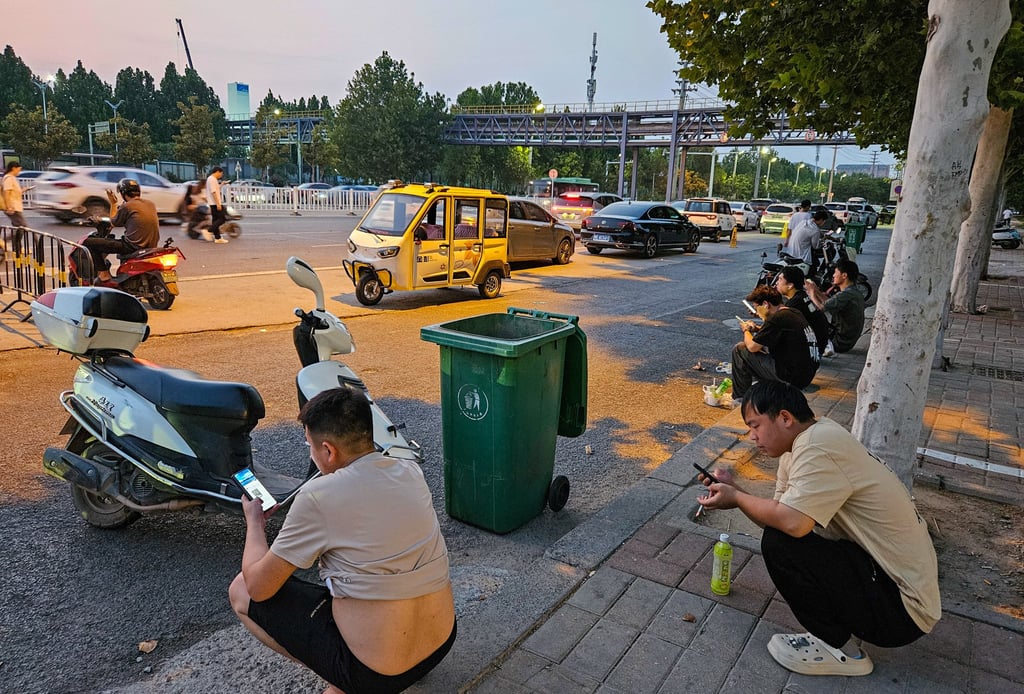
[{"x": 238, "y": 101}]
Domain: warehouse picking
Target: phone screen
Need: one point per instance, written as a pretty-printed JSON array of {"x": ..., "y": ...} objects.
[
  {"x": 750, "y": 307},
  {"x": 254, "y": 489}
]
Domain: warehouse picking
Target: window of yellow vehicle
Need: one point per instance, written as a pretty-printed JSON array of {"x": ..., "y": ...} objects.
[
  {"x": 495, "y": 219},
  {"x": 391, "y": 214}
]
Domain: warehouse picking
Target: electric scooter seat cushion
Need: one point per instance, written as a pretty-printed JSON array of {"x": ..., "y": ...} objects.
[{"x": 188, "y": 393}]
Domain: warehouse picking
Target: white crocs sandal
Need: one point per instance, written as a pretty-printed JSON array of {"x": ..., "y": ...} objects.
[{"x": 808, "y": 655}]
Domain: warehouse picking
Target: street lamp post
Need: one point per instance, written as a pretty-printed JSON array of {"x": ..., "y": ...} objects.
[
  {"x": 797, "y": 181},
  {"x": 42, "y": 90},
  {"x": 757, "y": 175},
  {"x": 114, "y": 108},
  {"x": 768, "y": 176}
]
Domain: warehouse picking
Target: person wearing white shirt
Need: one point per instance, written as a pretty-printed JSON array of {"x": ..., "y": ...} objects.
[
  {"x": 800, "y": 216},
  {"x": 806, "y": 238},
  {"x": 216, "y": 201}
]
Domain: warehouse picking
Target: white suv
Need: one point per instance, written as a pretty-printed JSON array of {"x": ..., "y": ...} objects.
[
  {"x": 69, "y": 192},
  {"x": 712, "y": 216}
]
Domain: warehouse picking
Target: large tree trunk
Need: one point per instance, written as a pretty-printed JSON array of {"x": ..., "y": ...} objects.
[
  {"x": 976, "y": 231},
  {"x": 948, "y": 116}
]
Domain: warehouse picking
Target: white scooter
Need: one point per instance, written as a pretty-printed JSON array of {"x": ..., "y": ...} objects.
[{"x": 145, "y": 438}]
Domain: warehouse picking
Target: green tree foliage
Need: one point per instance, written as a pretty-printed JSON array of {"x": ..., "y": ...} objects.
[
  {"x": 268, "y": 150},
  {"x": 81, "y": 97},
  {"x": 16, "y": 83},
  {"x": 386, "y": 126},
  {"x": 320, "y": 153},
  {"x": 825, "y": 66},
  {"x": 141, "y": 102},
  {"x": 23, "y": 130},
  {"x": 196, "y": 141},
  {"x": 132, "y": 141}
]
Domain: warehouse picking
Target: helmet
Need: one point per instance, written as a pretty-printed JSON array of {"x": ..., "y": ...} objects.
[{"x": 129, "y": 188}]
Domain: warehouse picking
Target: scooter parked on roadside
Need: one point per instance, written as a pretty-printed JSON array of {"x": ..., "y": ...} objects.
[
  {"x": 148, "y": 273},
  {"x": 146, "y": 438},
  {"x": 1005, "y": 236}
]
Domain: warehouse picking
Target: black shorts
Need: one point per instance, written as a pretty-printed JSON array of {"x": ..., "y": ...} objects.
[{"x": 300, "y": 619}]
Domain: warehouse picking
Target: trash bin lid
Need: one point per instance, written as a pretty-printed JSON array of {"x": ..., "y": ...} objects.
[{"x": 572, "y": 411}]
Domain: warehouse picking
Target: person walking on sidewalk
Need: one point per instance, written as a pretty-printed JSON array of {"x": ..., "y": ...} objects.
[
  {"x": 215, "y": 199},
  {"x": 845, "y": 308},
  {"x": 842, "y": 540},
  {"x": 383, "y": 614},
  {"x": 783, "y": 348},
  {"x": 790, "y": 283},
  {"x": 14, "y": 206}
]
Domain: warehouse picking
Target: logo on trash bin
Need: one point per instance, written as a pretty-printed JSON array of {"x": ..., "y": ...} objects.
[{"x": 473, "y": 402}]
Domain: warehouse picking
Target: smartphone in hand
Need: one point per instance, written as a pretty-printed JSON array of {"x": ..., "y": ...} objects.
[
  {"x": 254, "y": 489},
  {"x": 707, "y": 473},
  {"x": 750, "y": 307}
]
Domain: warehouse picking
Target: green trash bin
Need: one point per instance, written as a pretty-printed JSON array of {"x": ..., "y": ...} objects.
[
  {"x": 510, "y": 384},
  {"x": 855, "y": 234}
]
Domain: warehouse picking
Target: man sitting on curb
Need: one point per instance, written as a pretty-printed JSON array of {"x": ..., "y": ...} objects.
[
  {"x": 383, "y": 615},
  {"x": 790, "y": 283},
  {"x": 842, "y": 540},
  {"x": 845, "y": 308},
  {"x": 783, "y": 348}
]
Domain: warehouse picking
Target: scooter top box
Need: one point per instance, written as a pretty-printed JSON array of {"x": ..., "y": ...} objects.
[{"x": 81, "y": 320}]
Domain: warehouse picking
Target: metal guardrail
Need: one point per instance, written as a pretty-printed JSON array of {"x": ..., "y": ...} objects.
[
  {"x": 632, "y": 107},
  {"x": 295, "y": 200},
  {"x": 31, "y": 263}
]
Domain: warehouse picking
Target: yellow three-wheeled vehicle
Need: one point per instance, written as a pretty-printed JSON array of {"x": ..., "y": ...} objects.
[{"x": 419, "y": 236}]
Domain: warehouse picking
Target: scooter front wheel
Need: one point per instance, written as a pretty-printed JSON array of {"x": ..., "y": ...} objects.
[
  {"x": 101, "y": 510},
  {"x": 369, "y": 290},
  {"x": 232, "y": 229}
]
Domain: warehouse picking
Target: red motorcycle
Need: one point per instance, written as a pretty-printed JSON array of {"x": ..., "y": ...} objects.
[{"x": 148, "y": 273}]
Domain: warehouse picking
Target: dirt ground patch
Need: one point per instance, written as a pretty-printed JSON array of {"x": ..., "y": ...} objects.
[{"x": 979, "y": 543}]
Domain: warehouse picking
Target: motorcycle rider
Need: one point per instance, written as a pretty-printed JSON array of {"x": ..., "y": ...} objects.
[{"x": 141, "y": 227}]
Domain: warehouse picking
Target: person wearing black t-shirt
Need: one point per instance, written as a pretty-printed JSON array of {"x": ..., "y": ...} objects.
[
  {"x": 783, "y": 348},
  {"x": 790, "y": 283}
]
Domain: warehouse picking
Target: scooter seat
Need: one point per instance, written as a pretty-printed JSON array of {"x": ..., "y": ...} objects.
[{"x": 188, "y": 393}]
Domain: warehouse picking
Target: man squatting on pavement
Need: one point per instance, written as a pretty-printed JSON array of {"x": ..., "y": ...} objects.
[
  {"x": 842, "y": 540},
  {"x": 383, "y": 616}
]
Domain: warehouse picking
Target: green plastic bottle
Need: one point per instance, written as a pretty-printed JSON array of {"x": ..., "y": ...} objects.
[
  {"x": 722, "y": 566},
  {"x": 724, "y": 387}
]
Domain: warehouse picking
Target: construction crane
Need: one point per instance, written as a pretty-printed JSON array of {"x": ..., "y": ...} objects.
[{"x": 181, "y": 33}]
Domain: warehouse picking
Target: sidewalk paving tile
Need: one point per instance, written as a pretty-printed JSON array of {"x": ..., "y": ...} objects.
[
  {"x": 645, "y": 665},
  {"x": 600, "y": 591},
  {"x": 598, "y": 652},
  {"x": 559, "y": 634},
  {"x": 639, "y": 603},
  {"x": 696, "y": 672}
]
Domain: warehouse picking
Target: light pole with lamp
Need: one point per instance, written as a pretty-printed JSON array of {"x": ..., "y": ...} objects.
[
  {"x": 768, "y": 176},
  {"x": 757, "y": 176},
  {"x": 43, "y": 86},
  {"x": 114, "y": 107},
  {"x": 798, "y": 167}
]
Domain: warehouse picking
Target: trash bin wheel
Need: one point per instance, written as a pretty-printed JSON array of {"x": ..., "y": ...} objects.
[{"x": 558, "y": 493}]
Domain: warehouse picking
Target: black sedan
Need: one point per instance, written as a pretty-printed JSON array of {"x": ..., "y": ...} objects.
[{"x": 645, "y": 227}]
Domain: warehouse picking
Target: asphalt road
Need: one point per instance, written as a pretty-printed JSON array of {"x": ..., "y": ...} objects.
[{"x": 76, "y": 601}]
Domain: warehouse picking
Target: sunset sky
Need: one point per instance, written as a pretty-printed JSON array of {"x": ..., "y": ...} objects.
[{"x": 306, "y": 47}]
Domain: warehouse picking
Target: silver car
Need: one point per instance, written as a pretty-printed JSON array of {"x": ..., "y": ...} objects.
[{"x": 533, "y": 234}]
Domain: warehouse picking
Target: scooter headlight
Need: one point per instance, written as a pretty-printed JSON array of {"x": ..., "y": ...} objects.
[{"x": 387, "y": 252}]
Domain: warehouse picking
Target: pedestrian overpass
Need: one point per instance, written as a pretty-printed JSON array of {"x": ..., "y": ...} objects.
[{"x": 625, "y": 126}]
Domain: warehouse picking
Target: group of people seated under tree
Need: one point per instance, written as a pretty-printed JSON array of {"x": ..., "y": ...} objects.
[{"x": 800, "y": 325}]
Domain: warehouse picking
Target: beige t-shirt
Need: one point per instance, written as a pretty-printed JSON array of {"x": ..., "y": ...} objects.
[
  {"x": 852, "y": 495},
  {"x": 12, "y": 194},
  {"x": 373, "y": 526}
]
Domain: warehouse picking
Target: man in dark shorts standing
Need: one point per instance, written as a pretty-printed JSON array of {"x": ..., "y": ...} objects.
[
  {"x": 783, "y": 348},
  {"x": 139, "y": 219},
  {"x": 384, "y": 615}
]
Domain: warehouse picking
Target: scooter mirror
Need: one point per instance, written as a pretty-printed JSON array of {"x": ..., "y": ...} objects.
[{"x": 305, "y": 276}]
